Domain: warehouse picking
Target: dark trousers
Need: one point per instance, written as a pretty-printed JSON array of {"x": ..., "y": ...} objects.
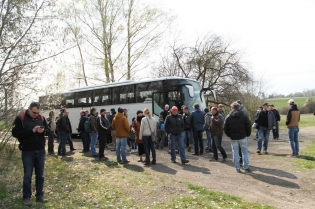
[
  {"x": 69, "y": 140},
  {"x": 62, "y": 144},
  {"x": 109, "y": 137},
  {"x": 85, "y": 141},
  {"x": 217, "y": 145},
  {"x": 51, "y": 137},
  {"x": 102, "y": 138},
  {"x": 198, "y": 142},
  {"x": 33, "y": 159},
  {"x": 148, "y": 145}
]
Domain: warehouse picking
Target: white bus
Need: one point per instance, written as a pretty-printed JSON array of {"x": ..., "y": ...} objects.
[{"x": 132, "y": 95}]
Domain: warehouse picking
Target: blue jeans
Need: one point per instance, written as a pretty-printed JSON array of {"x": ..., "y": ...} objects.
[
  {"x": 236, "y": 144},
  {"x": 257, "y": 133},
  {"x": 62, "y": 144},
  {"x": 263, "y": 136},
  {"x": 189, "y": 137},
  {"x": 217, "y": 145},
  {"x": 294, "y": 139},
  {"x": 275, "y": 132},
  {"x": 121, "y": 144},
  {"x": 33, "y": 159},
  {"x": 148, "y": 145},
  {"x": 180, "y": 141},
  {"x": 94, "y": 136},
  {"x": 209, "y": 139},
  {"x": 85, "y": 141}
]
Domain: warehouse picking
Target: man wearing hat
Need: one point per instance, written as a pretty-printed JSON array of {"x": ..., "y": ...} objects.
[
  {"x": 292, "y": 122},
  {"x": 102, "y": 129},
  {"x": 266, "y": 121},
  {"x": 275, "y": 112},
  {"x": 174, "y": 126}
]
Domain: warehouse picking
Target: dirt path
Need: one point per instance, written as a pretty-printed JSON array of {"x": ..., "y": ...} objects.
[{"x": 274, "y": 179}]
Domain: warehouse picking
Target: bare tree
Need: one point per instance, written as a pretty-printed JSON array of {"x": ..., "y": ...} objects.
[
  {"x": 25, "y": 30},
  {"x": 210, "y": 61},
  {"x": 145, "y": 27}
]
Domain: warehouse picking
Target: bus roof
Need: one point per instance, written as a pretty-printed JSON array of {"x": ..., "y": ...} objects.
[{"x": 123, "y": 83}]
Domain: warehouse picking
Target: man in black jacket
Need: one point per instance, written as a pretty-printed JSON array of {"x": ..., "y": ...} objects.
[
  {"x": 63, "y": 131},
  {"x": 83, "y": 134},
  {"x": 174, "y": 126},
  {"x": 276, "y": 114},
  {"x": 102, "y": 129},
  {"x": 30, "y": 129},
  {"x": 237, "y": 127}
]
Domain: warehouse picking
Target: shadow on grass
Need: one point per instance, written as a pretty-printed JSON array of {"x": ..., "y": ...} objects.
[
  {"x": 163, "y": 169},
  {"x": 134, "y": 167},
  {"x": 274, "y": 181},
  {"x": 275, "y": 172},
  {"x": 305, "y": 157}
]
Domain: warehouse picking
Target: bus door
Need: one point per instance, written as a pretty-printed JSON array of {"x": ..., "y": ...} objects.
[{"x": 160, "y": 99}]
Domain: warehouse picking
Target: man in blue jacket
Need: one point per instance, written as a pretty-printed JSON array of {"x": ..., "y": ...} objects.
[{"x": 197, "y": 121}]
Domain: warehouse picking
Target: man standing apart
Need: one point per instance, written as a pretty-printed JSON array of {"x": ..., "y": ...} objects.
[
  {"x": 102, "y": 129},
  {"x": 121, "y": 126},
  {"x": 197, "y": 122},
  {"x": 216, "y": 130},
  {"x": 292, "y": 122},
  {"x": 63, "y": 131},
  {"x": 266, "y": 121},
  {"x": 174, "y": 126},
  {"x": 237, "y": 127},
  {"x": 275, "y": 112},
  {"x": 94, "y": 133},
  {"x": 30, "y": 129}
]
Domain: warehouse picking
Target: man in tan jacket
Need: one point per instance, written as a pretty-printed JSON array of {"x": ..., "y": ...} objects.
[
  {"x": 292, "y": 122},
  {"x": 121, "y": 125}
]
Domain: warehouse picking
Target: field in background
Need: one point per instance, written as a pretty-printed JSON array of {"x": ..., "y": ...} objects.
[
  {"x": 306, "y": 120},
  {"x": 282, "y": 102}
]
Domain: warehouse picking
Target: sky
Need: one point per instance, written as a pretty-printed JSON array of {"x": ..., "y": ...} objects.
[{"x": 276, "y": 37}]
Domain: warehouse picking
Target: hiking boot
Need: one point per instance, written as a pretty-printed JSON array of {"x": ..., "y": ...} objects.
[
  {"x": 27, "y": 202},
  {"x": 189, "y": 149},
  {"x": 265, "y": 152},
  {"x": 293, "y": 156},
  {"x": 248, "y": 170},
  {"x": 223, "y": 160},
  {"x": 213, "y": 159},
  {"x": 185, "y": 161},
  {"x": 41, "y": 199},
  {"x": 173, "y": 161},
  {"x": 153, "y": 162},
  {"x": 238, "y": 170},
  {"x": 259, "y": 152}
]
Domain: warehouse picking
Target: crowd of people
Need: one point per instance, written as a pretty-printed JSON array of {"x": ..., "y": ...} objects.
[{"x": 174, "y": 129}]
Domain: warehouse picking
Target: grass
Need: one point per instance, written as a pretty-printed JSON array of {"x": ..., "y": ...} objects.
[
  {"x": 282, "y": 102},
  {"x": 306, "y": 120},
  {"x": 306, "y": 160},
  {"x": 81, "y": 182}
]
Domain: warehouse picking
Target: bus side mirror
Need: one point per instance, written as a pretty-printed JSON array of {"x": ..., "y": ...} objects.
[{"x": 203, "y": 90}]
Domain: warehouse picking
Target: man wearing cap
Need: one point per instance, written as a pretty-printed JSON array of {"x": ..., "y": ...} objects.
[
  {"x": 174, "y": 126},
  {"x": 121, "y": 125},
  {"x": 197, "y": 121},
  {"x": 275, "y": 112},
  {"x": 102, "y": 129},
  {"x": 266, "y": 121},
  {"x": 292, "y": 122}
]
